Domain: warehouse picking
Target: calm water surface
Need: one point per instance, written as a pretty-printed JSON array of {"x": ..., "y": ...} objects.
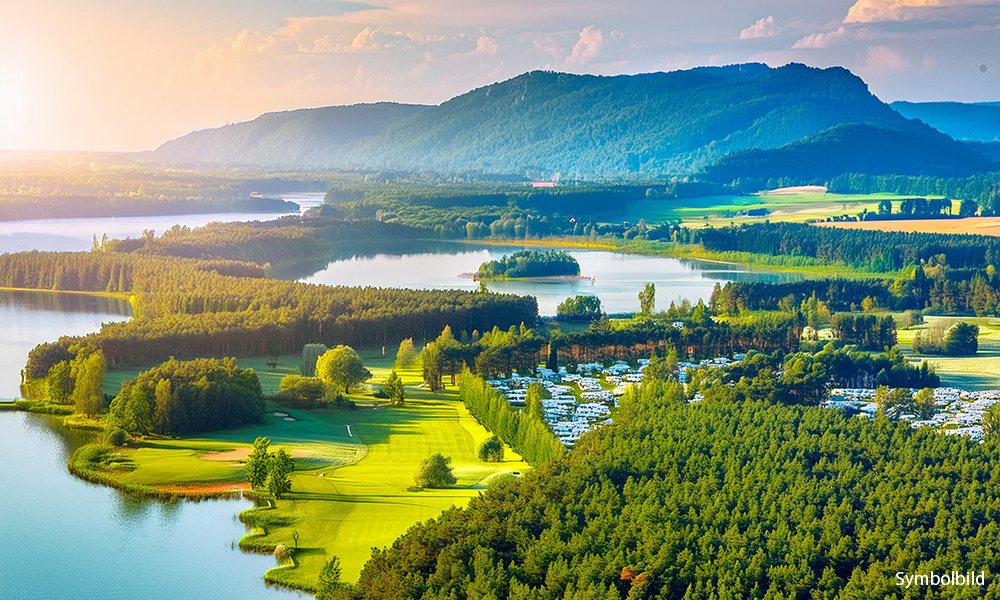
[
  {"x": 62, "y": 538},
  {"x": 71, "y": 235},
  {"x": 617, "y": 278}
]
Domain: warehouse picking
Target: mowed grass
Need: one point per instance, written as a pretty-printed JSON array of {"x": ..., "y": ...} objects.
[
  {"x": 978, "y": 372},
  {"x": 721, "y": 210},
  {"x": 970, "y": 225},
  {"x": 352, "y": 489}
]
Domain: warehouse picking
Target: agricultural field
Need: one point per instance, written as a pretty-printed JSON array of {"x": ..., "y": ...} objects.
[
  {"x": 353, "y": 484},
  {"x": 972, "y": 225},
  {"x": 978, "y": 372},
  {"x": 795, "y": 206}
]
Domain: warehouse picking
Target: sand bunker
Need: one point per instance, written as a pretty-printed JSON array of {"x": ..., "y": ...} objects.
[{"x": 232, "y": 455}]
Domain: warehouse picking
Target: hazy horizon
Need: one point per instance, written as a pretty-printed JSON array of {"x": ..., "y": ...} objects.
[{"x": 128, "y": 76}]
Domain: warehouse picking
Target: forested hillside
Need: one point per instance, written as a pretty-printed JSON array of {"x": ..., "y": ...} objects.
[
  {"x": 979, "y": 122},
  {"x": 558, "y": 124},
  {"x": 299, "y": 137},
  {"x": 909, "y": 149}
]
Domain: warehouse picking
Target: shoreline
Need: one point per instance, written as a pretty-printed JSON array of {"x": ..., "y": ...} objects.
[
  {"x": 116, "y": 295},
  {"x": 541, "y": 279}
]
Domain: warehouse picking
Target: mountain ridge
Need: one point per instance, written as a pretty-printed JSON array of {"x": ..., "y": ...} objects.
[{"x": 552, "y": 124}]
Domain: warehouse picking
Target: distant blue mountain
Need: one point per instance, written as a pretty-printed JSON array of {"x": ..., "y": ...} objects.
[
  {"x": 978, "y": 122},
  {"x": 546, "y": 123}
]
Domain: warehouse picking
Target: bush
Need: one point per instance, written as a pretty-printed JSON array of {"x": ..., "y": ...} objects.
[
  {"x": 116, "y": 436},
  {"x": 912, "y": 318},
  {"x": 338, "y": 400},
  {"x": 282, "y": 554},
  {"x": 491, "y": 450},
  {"x": 300, "y": 392},
  {"x": 435, "y": 472}
]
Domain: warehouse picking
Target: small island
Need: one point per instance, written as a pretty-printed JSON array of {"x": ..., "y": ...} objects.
[{"x": 530, "y": 264}]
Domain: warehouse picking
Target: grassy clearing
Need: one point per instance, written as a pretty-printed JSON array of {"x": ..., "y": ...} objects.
[
  {"x": 978, "y": 372},
  {"x": 351, "y": 490},
  {"x": 722, "y": 210}
]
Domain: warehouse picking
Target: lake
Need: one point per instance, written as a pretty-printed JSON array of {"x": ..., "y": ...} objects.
[
  {"x": 72, "y": 235},
  {"x": 62, "y": 538},
  {"x": 617, "y": 277}
]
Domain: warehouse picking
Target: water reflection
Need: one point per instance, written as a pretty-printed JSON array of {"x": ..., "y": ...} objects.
[
  {"x": 617, "y": 277},
  {"x": 64, "y": 538},
  {"x": 30, "y": 318}
]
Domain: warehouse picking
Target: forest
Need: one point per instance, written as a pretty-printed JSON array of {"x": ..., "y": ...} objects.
[
  {"x": 189, "y": 308},
  {"x": 883, "y": 251},
  {"x": 720, "y": 499}
]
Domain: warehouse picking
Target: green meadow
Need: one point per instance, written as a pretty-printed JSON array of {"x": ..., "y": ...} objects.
[
  {"x": 981, "y": 371},
  {"x": 353, "y": 485},
  {"x": 722, "y": 210}
]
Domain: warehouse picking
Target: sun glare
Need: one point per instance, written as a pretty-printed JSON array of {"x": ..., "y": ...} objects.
[{"x": 15, "y": 93}]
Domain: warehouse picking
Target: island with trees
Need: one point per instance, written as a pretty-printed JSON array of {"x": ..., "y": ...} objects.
[{"x": 530, "y": 264}]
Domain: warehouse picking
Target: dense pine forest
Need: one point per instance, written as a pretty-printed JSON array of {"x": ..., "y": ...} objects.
[{"x": 723, "y": 499}]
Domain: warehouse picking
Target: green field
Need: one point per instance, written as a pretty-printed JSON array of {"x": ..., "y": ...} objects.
[
  {"x": 721, "y": 210},
  {"x": 350, "y": 492},
  {"x": 978, "y": 372}
]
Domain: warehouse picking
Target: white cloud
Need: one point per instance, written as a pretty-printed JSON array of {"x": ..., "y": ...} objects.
[
  {"x": 883, "y": 59},
  {"x": 870, "y": 11},
  {"x": 486, "y": 45},
  {"x": 587, "y": 46},
  {"x": 822, "y": 40},
  {"x": 763, "y": 28}
]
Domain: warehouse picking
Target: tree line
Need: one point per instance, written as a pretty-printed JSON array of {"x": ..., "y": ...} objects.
[
  {"x": 528, "y": 435},
  {"x": 882, "y": 251},
  {"x": 188, "y": 308}
]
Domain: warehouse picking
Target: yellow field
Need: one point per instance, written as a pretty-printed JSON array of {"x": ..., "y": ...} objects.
[{"x": 972, "y": 225}]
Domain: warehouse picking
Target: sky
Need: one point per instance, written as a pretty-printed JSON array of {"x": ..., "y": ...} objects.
[{"x": 127, "y": 75}]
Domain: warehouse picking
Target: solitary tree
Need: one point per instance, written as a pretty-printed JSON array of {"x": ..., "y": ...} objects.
[
  {"x": 923, "y": 403},
  {"x": 491, "y": 450},
  {"x": 435, "y": 472},
  {"x": 310, "y": 354},
  {"x": 647, "y": 299},
  {"x": 885, "y": 208},
  {"x": 342, "y": 368},
  {"x": 329, "y": 580},
  {"x": 431, "y": 358},
  {"x": 279, "y": 477},
  {"x": 392, "y": 388},
  {"x": 257, "y": 463},
  {"x": 406, "y": 355}
]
